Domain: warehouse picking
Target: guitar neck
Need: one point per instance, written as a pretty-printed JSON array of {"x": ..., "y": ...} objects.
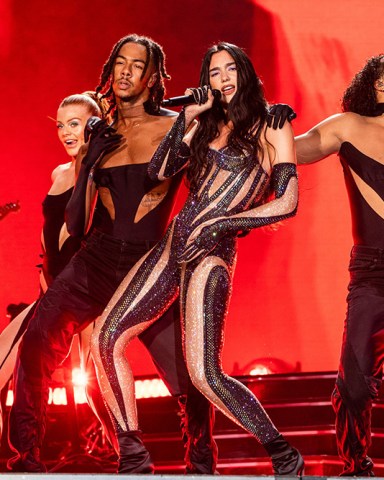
[{"x": 8, "y": 208}]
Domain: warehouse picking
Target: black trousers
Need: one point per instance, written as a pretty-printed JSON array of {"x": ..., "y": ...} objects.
[
  {"x": 361, "y": 364},
  {"x": 76, "y": 297}
]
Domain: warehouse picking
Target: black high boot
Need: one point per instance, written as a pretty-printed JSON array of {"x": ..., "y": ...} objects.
[
  {"x": 286, "y": 460},
  {"x": 197, "y": 418},
  {"x": 358, "y": 468},
  {"x": 133, "y": 456},
  {"x": 27, "y": 462}
]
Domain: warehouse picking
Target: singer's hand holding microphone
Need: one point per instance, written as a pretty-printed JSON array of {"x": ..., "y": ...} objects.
[
  {"x": 103, "y": 139},
  {"x": 193, "y": 96}
]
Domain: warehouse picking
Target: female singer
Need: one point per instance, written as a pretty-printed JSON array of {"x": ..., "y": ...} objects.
[{"x": 233, "y": 164}]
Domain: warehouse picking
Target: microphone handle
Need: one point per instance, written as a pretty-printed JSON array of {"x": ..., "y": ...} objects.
[
  {"x": 178, "y": 101},
  {"x": 185, "y": 100}
]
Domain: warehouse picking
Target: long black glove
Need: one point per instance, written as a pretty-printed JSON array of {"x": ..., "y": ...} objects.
[
  {"x": 278, "y": 114},
  {"x": 207, "y": 235},
  {"x": 104, "y": 139},
  {"x": 200, "y": 94}
]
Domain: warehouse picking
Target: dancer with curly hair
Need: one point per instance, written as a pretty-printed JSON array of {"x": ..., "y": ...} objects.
[{"x": 357, "y": 136}]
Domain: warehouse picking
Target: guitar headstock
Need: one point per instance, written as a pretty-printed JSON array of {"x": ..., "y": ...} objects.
[{"x": 8, "y": 208}]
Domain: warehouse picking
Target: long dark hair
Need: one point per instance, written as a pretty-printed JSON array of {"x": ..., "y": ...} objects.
[
  {"x": 247, "y": 110},
  {"x": 360, "y": 96},
  {"x": 155, "y": 54}
]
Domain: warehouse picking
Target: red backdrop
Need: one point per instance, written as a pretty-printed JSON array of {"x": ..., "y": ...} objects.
[{"x": 290, "y": 285}]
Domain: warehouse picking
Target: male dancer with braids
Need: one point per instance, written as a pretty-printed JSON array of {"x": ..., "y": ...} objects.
[
  {"x": 357, "y": 135},
  {"x": 131, "y": 215}
]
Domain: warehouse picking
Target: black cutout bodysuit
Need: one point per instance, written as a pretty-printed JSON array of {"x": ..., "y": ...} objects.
[
  {"x": 367, "y": 224},
  {"x": 55, "y": 258},
  {"x": 128, "y": 184}
]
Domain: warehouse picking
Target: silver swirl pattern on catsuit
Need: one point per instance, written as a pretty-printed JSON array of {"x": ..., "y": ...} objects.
[{"x": 230, "y": 185}]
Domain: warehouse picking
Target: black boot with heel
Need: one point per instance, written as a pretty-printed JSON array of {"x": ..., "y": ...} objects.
[
  {"x": 286, "y": 460},
  {"x": 27, "y": 462},
  {"x": 133, "y": 456},
  {"x": 197, "y": 418}
]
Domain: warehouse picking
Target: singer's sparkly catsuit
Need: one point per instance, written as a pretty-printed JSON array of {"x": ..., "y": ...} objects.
[{"x": 228, "y": 199}]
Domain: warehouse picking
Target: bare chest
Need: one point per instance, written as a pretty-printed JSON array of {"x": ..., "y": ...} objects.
[{"x": 140, "y": 141}]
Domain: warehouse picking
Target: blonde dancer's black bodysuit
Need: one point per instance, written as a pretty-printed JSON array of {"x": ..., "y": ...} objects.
[{"x": 197, "y": 257}]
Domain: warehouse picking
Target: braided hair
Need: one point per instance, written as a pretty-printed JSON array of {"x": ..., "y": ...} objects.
[
  {"x": 360, "y": 96},
  {"x": 155, "y": 54}
]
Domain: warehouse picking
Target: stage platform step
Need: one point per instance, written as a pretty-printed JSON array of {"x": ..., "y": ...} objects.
[
  {"x": 105, "y": 476},
  {"x": 299, "y": 404}
]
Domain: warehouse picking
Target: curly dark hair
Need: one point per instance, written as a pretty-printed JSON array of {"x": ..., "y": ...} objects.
[
  {"x": 360, "y": 96},
  {"x": 155, "y": 54},
  {"x": 247, "y": 110}
]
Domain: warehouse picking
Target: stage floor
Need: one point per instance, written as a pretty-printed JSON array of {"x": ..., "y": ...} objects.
[
  {"x": 104, "y": 476},
  {"x": 299, "y": 404}
]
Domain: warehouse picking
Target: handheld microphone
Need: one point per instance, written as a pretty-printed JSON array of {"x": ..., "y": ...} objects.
[
  {"x": 185, "y": 100},
  {"x": 90, "y": 126}
]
